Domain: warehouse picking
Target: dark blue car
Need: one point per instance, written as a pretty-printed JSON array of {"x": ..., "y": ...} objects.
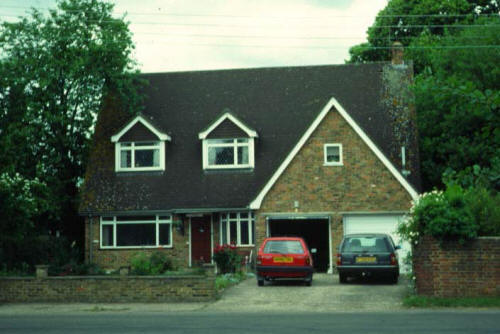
[{"x": 366, "y": 255}]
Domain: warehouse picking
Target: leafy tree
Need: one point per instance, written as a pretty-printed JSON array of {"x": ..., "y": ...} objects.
[
  {"x": 457, "y": 100},
  {"x": 54, "y": 70},
  {"x": 404, "y": 20},
  {"x": 455, "y": 49}
]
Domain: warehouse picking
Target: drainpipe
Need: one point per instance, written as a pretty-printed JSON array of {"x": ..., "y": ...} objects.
[{"x": 90, "y": 238}]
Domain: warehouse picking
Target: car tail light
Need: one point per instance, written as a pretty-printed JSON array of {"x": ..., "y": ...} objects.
[
  {"x": 339, "y": 259},
  {"x": 394, "y": 260},
  {"x": 308, "y": 261},
  {"x": 259, "y": 259}
]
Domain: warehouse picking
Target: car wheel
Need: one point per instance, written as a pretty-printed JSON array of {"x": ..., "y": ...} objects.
[
  {"x": 342, "y": 278},
  {"x": 260, "y": 282},
  {"x": 394, "y": 279},
  {"x": 308, "y": 282}
]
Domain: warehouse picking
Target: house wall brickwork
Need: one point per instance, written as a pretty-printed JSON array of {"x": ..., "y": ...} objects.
[
  {"x": 455, "y": 270},
  {"x": 362, "y": 184},
  {"x": 116, "y": 258},
  {"x": 108, "y": 289}
]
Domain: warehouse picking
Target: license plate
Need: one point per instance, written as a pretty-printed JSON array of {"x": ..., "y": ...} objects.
[
  {"x": 283, "y": 259},
  {"x": 366, "y": 259}
]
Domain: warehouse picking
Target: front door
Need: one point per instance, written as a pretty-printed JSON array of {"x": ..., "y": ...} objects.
[{"x": 200, "y": 240}]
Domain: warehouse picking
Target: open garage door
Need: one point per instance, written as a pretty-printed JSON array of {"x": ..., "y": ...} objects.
[
  {"x": 314, "y": 231},
  {"x": 378, "y": 223}
]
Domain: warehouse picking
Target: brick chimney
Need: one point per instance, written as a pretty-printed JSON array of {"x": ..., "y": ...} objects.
[{"x": 397, "y": 53}]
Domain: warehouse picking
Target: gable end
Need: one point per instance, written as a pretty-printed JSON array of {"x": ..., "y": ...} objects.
[
  {"x": 227, "y": 129},
  {"x": 332, "y": 104},
  {"x": 140, "y": 120},
  {"x": 249, "y": 132}
]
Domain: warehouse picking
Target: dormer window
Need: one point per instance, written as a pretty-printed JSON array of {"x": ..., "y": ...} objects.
[
  {"x": 139, "y": 146},
  {"x": 228, "y": 144},
  {"x": 228, "y": 153},
  {"x": 140, "y": 155}
]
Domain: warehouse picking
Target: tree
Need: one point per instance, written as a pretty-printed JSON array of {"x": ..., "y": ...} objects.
[
  {"x": 457, "y": 101},
  {"x": 455, "y": 47},
  {"x": 54, "y": 70},
  {"x": 404, "y": 20}
]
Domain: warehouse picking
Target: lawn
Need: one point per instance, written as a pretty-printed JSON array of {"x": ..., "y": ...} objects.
[{"x": 427, "y": 302}]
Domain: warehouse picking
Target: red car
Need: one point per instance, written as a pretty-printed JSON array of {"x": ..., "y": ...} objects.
[{"x": 284, "y": 258}]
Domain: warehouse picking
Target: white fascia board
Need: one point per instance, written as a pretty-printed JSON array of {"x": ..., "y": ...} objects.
[
  {"x": 408, "y": 187},
  {"x": 251, "y": 133},
  {"x": 162, "y": 136},
  {"x": 257, "y": 202}
]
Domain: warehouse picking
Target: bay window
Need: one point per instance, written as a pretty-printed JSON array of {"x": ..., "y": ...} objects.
[{"x": 136, "y": 231}]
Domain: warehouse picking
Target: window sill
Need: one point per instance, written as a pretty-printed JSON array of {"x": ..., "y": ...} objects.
[
  {"x": 132, "y": 173},
  {"x": 134, "y": 247},
  {"x": 336, "y": 164},
  {"x": 228, "y": 170}
]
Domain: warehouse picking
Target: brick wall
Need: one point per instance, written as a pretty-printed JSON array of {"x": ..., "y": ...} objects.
[
  {"x": 106, "y": 289},
  {"x": 116, "y": 258},
  {"x": 455, "y": 270},
  {"x": 362, "y": 184}
]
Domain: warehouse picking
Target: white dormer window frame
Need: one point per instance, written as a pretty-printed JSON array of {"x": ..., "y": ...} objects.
[
  {"x": 241, "y": 149},
  {"x": 250, "y": 133},
  {"x": 237, "y": 147},
  {"x": 328, "y": 161},
  {"x": 128, "y": 154}
]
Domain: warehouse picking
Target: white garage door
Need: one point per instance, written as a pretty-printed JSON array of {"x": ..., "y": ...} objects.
[{"x": 378, "y": 224}]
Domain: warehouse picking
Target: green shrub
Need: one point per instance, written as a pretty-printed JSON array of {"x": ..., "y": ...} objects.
[
  {"x": 485, "y": 208},
  {"x": 443, "y": 215},
  {"x": 159, "y": 263},
  {"x": 155, "y": 264}
]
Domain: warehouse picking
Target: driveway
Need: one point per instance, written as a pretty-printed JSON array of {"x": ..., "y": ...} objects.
[{"x": 325, "y": 295}]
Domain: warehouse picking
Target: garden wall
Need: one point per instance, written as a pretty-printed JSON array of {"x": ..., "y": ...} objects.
[
  {"x": 108, "y": 289},
  {"x": 454, "y": 270}
]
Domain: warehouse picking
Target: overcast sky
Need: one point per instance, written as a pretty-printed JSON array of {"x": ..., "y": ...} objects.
[{"x": 178, "y": 35}]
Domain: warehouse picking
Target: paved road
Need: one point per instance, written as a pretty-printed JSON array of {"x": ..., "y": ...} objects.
[{"x": 285, "y": 322}]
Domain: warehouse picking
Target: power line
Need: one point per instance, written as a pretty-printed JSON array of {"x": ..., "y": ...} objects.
[
  {"x": 168, "y": 34},
  {"x": 268, "y": 16},
  {"x": 323, "y": 47},
  {"x": 201, "y": 24}
]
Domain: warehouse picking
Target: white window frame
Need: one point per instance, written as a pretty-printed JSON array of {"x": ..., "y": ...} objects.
[
  {"x": 133, "y": 148},
  {"x": 325, "y": 155},
  {"x": 224, "y": 217},
  {"x": 209, "y": 143},
  {"x": 112, "y": 221}
]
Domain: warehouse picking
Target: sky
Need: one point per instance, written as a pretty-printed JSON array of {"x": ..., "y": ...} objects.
[{"x": 186, "y": 35}]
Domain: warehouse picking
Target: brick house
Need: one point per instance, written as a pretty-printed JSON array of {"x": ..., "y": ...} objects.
[{"x": 233, "y": 156}]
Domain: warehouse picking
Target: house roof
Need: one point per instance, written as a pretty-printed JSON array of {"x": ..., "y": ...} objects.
[{"x": 279, "y": 104}]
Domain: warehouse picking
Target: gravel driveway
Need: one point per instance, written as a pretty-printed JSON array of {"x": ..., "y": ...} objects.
[{"x": 325, "y": 295}]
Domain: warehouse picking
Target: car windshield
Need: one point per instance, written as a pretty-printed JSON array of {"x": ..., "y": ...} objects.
[
  {"x": 284, "y": 247},
  {"x": 365, "y": 244}
]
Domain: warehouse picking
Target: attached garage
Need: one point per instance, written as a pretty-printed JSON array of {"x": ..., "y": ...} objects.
[
  {"x": 314, "y": 230},
  {"x": 378, "y": 223}
]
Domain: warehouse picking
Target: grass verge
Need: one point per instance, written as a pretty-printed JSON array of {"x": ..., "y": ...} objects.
[{"x": 424, "y": 302}]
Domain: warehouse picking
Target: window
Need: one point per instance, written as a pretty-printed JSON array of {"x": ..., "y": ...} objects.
[
  {"x": 237, "y": 228},
  {"x": 228, "y": 153},
  {"x": 136, "y": 231},
  {"x": 333, "y": 155},
  {"x": 140, "y": 156}
]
